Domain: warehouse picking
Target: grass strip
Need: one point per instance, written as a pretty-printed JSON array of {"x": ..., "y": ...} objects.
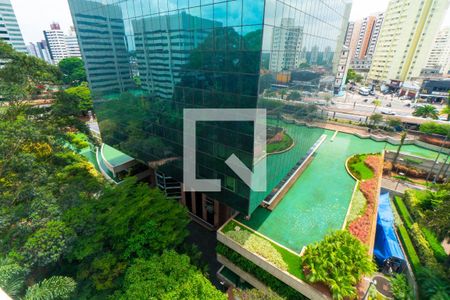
[
  {"x": 409, "y": 248},
  {"x": 403, "y": 211}
]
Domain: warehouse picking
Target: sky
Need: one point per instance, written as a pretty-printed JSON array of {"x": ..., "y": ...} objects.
[{"x": 34, "y": 16}]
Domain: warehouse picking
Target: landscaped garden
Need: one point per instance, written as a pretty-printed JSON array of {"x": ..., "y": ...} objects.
[
  {"x": 278, "y": 140},
  {"x": 361, "y": 219},
  {"x": 339, "y": 261},
  {"x": 279, "y": 256},
  {"x": 425, "y": 217}
]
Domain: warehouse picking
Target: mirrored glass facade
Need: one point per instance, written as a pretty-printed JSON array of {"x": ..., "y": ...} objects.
[{"x": 147, "y": 60}]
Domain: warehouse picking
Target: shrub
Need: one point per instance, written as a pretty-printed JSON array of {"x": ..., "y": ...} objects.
[
  {"x": 360, "y": 228},
  {"x": 400, "y": 288},
  {"x": 412, "y": 203},
  {"x": 425, "y": 253},
  {"x": 258, "y": 245},
  {"x": 432, "y": 285},
  {"x": 268, "y": 279},
  {"x": 435, "y": 245},
  {"x": 409, "y": 248},
  {"x": 339, "y": 261},
  {"x": 435, "y": 128},
  {"x": 358, "y": 206}
]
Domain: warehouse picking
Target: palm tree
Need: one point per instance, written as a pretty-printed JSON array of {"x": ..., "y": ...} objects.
[
  {"x": 56, "y": 287},
  {"x": 427, "y": 111},
  {"x": 402, "y": 141},
  {"x": 376, "y": 103}
]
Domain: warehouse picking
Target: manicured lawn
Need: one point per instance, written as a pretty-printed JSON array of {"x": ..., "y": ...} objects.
[
  {"x": 292, "y": 260},
  {"x": 359, "y": 168},
  {"x": 403, "y": 211}
]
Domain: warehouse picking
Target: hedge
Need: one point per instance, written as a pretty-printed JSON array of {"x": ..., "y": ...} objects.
[
  {"x": 423, "y": 248},
  {"x": 403, "y": 211},
  {"x": 409, "y": 248},
  {"x": 268, "y": 279},
  {"x": 435, "y": 245},
  {"x": 435, "y": 128}
]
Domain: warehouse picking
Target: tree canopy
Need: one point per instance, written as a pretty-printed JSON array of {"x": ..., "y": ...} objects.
[
  {"x": 64, "y": 231},
  {"x": 73, "y": 71},
  {"x": 168, "y": 276}
]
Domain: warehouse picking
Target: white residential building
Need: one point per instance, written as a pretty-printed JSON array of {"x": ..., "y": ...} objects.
[
  {"x": 286, "y": 46},
  {"x": 61, "y": 45}
]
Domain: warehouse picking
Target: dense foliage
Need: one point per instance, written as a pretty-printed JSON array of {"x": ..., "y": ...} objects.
[
  {"x": 73, "y": 71},
  {"x": 23, "y": 76},
  {"x": 83, "y": 95},
  {"x": 64, "y": 231},
  {"x": 169, "y": 276},
  {"x": 339, "y": 261},
  {"x": 426, "y": 217},
  {"x": 435, "y": 128},
  {"x": 268, "y": 279},
  {"x": 400, "y": 288}
]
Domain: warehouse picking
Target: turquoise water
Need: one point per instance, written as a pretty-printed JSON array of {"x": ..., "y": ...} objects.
[{"x": 318, "y": 202}]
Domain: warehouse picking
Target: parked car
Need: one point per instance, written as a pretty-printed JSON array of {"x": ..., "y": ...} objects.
[{"x": 386, "y": 111}]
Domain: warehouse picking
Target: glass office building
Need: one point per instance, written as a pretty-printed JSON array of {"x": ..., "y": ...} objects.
[{"x": 147, "y": 60}]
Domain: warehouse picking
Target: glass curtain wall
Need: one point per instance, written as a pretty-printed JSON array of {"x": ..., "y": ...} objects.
[{"x": 147, "y": 60}]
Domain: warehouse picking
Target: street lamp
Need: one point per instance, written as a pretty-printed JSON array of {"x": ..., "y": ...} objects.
[{"x": 372, "y": 282}]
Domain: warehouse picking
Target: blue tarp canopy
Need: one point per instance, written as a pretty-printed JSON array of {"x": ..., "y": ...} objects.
[{"x": 386, "y": 242}]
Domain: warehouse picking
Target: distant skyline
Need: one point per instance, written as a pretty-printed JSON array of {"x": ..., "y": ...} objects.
[{"x": 36, "y": 15}]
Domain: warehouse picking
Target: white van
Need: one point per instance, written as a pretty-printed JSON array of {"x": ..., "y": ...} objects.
[{"x": 364, "y": 91}]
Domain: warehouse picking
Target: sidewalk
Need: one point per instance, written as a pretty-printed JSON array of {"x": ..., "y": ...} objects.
[{"x": 399, "y": 186}]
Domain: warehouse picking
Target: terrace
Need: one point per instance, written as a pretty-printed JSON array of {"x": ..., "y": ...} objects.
[{"x": 317, "y": 203}]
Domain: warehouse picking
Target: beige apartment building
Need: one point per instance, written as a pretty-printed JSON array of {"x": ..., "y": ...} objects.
[
  {"x": 406, "y": 37},
  {"x": 439, "y": 57}
]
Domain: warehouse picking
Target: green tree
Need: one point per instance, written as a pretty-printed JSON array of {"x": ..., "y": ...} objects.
[
  {"x": 23, "y": 76},
  {"x": 53, "y": 288},
  {"x": 73, "y": 71},
  {"x": 12, "y": 277},
  {"x": 339, "y": 261},
  {"x": 427, "y": 111},
  {"x": 394, "y": 122},
  {"x": 376, "y": 118},
  {"x": 169, "y": 276},
  {"x": 83, "y": 93},
  {"x": 376, "y": 103},
  {"x": 352, "y": 76},
  {"x": 294, "y": 96},
  {"x": 48, "y": 244},
  {"x": 127, "y": 221}
]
